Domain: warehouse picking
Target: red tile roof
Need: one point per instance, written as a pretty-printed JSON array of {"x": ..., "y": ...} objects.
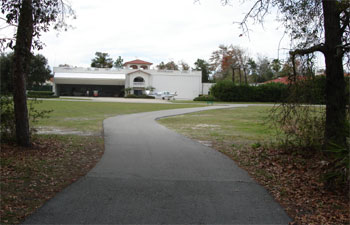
[
  {"x": 138, "y": 61},
  {"x": 283, "y": 80}
]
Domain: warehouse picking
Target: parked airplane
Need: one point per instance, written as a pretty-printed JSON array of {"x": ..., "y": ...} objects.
[{"x": 165, "y": 95}]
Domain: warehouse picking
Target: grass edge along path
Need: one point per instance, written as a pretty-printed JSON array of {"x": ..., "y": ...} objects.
[
  {"x": 293, "y": 180},
  {"x": 87, "y": 116}
]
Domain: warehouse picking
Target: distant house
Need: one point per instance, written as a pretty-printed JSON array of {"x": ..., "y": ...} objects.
[
  {"x": 284, "y": 80},
  {"x": 136, "y": 76}
]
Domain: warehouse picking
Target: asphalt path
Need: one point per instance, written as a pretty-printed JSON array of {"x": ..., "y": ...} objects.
[{"x": 152, "y": 175}]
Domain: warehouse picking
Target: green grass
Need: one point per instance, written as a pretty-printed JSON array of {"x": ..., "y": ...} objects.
[
  {"x": 88, "y": 116},
  {"x": 67, "y": 98},
  {"x": 246, "y": 125}
]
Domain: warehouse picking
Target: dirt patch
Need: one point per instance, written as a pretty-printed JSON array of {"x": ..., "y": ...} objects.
[
  {"x": 76, "y": 119},
  {"x": 206, "y": 143},
  {"x": 203, "y": 125},
  {"x": 62, "y": 131},
  {"x": 294, "y": 181}
]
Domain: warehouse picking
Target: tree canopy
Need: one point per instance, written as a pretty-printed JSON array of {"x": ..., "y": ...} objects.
[
  {"x": 102, "y": 60},
  {"x": 204, "y": 66},
  {"x": 118, "y": 62},
  {"x": 229, "y": 60},
  {"x": 38, "y": 74},
  {"x": 45, "y": 14},
  {"x": 168, "y": 66}
]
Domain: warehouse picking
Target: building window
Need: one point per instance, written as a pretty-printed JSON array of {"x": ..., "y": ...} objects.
[
  {"x": 134, "y": 67},
  {"x": 139, "y": 79},
  {"x": 144, "y": 67}
]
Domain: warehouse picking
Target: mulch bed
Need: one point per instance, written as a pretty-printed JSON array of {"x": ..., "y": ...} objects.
[
  {"x": 31, "y": 176},
  {"x": 295, "y": 182}
]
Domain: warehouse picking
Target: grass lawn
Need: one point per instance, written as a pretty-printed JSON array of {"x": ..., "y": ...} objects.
[
  {"x": 236, "y": 126},
  {"x": 293, "y": 179},
  {"x": 88, "y": 116}
]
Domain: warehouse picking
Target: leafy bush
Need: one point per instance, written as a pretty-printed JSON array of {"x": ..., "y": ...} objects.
[
  {"x": 41, "y": 94},
  {"x": 205, "y": 98},
  {"x": 309, "y": 90},
  {"x": 271, "y": 92},
  {"x": 337, "y": 172},
  {"x": 230, "y": 92},
  {"x": 140, "y": 96},
  {"x": 41, "y": 88},
  {"x": 8, "y": 123}
]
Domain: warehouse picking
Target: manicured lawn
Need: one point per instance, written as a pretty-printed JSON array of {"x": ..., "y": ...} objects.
[
  {"x": 88, "y": 116},
  {"x": 236, "y": 126}
]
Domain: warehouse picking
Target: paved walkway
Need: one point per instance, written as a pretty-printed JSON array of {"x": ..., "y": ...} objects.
[{"x": 152, "y": 175}]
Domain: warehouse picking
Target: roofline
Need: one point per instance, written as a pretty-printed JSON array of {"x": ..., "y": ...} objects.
[
  {"x": 138, "y": 71},
  {"x": 142, "y": 62}
]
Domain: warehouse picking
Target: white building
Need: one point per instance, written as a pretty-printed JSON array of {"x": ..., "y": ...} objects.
[{"x": 136, "y": 77}]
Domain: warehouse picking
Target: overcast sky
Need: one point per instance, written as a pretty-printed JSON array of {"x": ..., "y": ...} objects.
[{"x": 159, "y": 30}]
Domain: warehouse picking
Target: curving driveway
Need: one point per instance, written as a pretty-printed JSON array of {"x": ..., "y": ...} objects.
[{"x": 152, "y": 175}]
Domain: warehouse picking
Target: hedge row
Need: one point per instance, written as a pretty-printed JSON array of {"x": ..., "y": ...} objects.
[
  {"x": 230, "y": 92},
  {"x": 207, "y": 98},
  {"x": 41, "y": 88},
  {"x": 41, "y": 94},
  {"x": 140, "y": 96},
  {"x": 310, "y": 91}
]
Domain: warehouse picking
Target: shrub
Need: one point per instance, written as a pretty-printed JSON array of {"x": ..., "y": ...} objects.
[
  {"x": 337, "y": 172},
  {"x": 41, "y": 94},
  {"x": 41, "y": 88},
  {"x": 205, "y": 98},
  {"x": 230, "y": 92},
  {"x": 309, "y": 91},
  {"x": 140, "y": 96},
  {"x": 271, "y": 92},
  {"x": 8, "y": 127}
]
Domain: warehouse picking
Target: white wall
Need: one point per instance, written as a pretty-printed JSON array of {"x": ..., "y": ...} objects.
[
  {"x": 132, "y": 76},
  {"x": 206, "y": 88},
  {"x": 186, "y": 86}
]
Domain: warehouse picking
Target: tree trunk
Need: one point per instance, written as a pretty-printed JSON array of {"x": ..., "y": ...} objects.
[
  {"x": 335, "y": 130},
  {"x": 20, "y": 69},
  {"x": 240, "y": 76},
  {"x": 233, "y": 73},
  {"x": 245, "y": 76}
]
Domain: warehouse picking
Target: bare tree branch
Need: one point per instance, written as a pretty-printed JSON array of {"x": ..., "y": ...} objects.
[
  {"x": 316, "y": 48},
  {"x": 346, "y": 21},
  {"x": 8, "y": 23}
]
